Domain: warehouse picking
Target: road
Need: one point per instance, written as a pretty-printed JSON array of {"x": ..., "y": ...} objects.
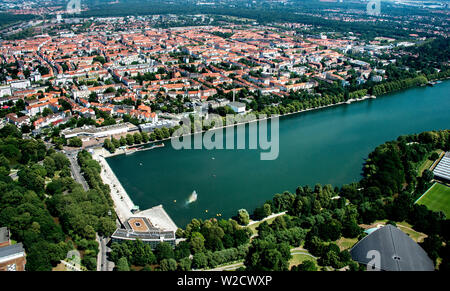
[
  {"x": 76, "y": 171},
  {"x": 102, "y": 263}
]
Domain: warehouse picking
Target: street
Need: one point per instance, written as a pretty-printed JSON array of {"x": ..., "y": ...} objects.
[{"x": 76, "y": 171}]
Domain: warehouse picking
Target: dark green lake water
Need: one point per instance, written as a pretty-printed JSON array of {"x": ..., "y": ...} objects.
[{"x": 326, "y": 146}]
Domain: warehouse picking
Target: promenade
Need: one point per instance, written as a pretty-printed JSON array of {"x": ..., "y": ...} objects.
[{"x": 122, "y": 202}]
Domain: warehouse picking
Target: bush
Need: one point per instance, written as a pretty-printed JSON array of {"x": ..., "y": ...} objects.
[{"x": 75, "y": 142}]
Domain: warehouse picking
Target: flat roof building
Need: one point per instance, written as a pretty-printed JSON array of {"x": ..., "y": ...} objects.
[
  {"x": 151, "y": 226},
  {"x": 99, "y": 132}
]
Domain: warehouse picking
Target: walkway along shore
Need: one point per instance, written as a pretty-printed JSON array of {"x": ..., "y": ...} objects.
[{"x": 122, "y": 202}]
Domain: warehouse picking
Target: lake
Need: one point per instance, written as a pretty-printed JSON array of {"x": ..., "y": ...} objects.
[{"x": 326, "y": 146}]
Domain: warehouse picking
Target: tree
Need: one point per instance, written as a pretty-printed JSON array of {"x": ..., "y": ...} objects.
[
  {"x": 122, "y": 264},
  {"x": 99, "y": 59},
  {"x": 10, "y": 130},
  {"x": 137, "y": 138},
  {"x": 46, "y": 112},
  {"x": 168, "y": 265},
  {"x": 106, "y": 226},
  {"x": 115, "y": 142},
  {"x": 200, "y": 261},
  {"x": 31, "y": 180},
  {"x": 265, "y": 255},
  {"x": 185, "y": 264},
  {"x": 75, "y": 142},
  {"x": 243, "y": 217},
  {"x": 145, "y": 137},
  {"x": 50, "y": 166},
  {"x": 123, "y": 141},
  {"x": 130, "y": 139},
  {"x": 306, "y": 265},
  {"x": 263, "y": 211},
  {"x": 427, "y": 175},
  {"x": 432, "y": 245},
  {"x": 330, "y": 231},
  {"x": 164, "y": 251},
  {"x": 197, "y": 242},
  {"x": 89, "y": 232},
  {"x": 434, "y": 156},
  {"x": 60, "y": 160}
]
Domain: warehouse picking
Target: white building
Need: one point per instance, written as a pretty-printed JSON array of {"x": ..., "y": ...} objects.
[
  {"x": 98, "y": 132},
  {"x": 237, "y": 107},
  {"x": 5, "y": 90},
  {"x": 20, "y": 84}
]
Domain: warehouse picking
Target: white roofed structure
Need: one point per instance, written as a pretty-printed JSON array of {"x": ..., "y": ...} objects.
[{"x": 442, "y": 170}]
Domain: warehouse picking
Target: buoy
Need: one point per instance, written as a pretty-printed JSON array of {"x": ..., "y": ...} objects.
[
  {"x": 206, "y": 210},
  {"x": 174, "y": 201}
]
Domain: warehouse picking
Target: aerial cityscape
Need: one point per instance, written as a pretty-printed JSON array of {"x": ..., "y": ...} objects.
[{"x": 213, "y": 135}]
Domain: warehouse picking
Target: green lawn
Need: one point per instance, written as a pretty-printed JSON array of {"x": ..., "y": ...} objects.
[
  {"x": 346, "y": 243},
  {"x": 426, "y": 164},
  {"x": 297, "y": 259},
  {"x": 437, "y": 198},
  {"x": 403, "y": 226},
  {"x": 254, "y": 226}
]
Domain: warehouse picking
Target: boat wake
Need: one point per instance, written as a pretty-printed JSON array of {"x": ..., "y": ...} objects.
[{"x": 192, "y": 198}]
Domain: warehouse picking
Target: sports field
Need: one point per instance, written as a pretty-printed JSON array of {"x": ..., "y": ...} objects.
[{"x": 437, "y": 198}]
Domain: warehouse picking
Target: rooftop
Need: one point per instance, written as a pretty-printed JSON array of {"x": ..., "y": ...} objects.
[
  {"x": 442, "y": 170},
  {"x": 398, "y": 252},
  {"x": 9, "y": 252},
  {"x": 158, "y": 217},
  {"x": 4, "y": 234}
]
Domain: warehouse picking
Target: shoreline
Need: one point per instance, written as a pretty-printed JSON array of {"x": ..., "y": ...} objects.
[
  {"x": 119, "y": 152},
  {"x": 122, "y": 201}
]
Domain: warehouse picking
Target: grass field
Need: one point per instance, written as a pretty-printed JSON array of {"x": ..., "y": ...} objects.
[
  {"x": 426, "y": 164},
  {"x": 437, "y": 198},
  {"x": 298, "y": 258},
  {"x": 346, "y": 243},
  {"x": 255, "y": 225},
  {"x": 403, "y": 226}
]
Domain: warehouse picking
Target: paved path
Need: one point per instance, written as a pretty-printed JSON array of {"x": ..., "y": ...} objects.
[
  {"x": 122, "y": 202},
  {"x": 266, "y": 218},
  {"x": 76, "y": 171},
  {"x": 102, "y": 258},
  {"x": 102, "y": 263}
]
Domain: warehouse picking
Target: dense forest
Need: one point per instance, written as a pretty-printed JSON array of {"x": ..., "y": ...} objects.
[
  {"x": 306, "y": 12},
  {"x": 7, "y": 18},
  {"x": 45, "y": 208}
]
